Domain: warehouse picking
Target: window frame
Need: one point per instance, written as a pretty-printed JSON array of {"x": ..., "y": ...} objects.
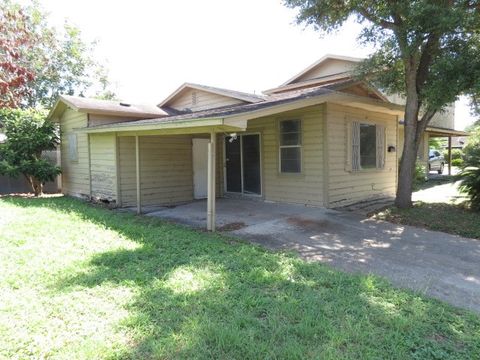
[
  {"x": 375, "y": 148},
  {"x": 280, "y": 146},
  {"x": 73, "y": 152},
  {"x": 349, "y": 151}
]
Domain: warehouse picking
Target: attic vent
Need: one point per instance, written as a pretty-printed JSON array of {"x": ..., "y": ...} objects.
[
  {"x": 194, "y": 98},
  {"x": 125, "y": 104}
]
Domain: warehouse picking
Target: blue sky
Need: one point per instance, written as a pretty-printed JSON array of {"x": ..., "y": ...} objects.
[{"x": 152, "y": 47}]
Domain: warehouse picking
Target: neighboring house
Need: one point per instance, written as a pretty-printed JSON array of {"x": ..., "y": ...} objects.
[{"x": 320, "y": 139}]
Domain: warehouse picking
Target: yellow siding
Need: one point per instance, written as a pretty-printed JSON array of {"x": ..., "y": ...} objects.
[
  {"x": 329, "y": 67},
  {"x": 304, "y": 188},
  {"x": 204, "y": 100},
  {"x": 103, "y": 166},
  {"x": 348, "y": 187},
  {"x": 165, "y": 170},
  {"x": 94, "y": 120},
  {"x": 75, "y": 174}
]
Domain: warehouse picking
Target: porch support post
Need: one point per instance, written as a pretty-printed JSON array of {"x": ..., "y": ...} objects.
[
  {"x": 211, "y": 183},
  {"x": 137, "y": 173},
  {"x": 449, "y": 155}
]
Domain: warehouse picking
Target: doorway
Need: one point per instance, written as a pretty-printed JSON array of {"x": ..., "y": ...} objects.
[{"x": 243, "y": 164}]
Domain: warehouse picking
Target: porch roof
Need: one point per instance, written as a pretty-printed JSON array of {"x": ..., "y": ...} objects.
[
  {"x": 443, "y": 132},
  {"x": 234, "y": 118}
]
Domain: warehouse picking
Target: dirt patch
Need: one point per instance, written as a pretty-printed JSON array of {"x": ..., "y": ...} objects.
[
  {"x": 309, "y": 224},
  {"x": 232, "y": 226}
]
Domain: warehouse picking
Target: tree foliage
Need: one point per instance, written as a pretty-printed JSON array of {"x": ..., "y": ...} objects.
[
  {"x": 38, "y": 62},
  {"x": 426, "y": 50},
  {"x": 28, "y": 134},
  {"x": 471, "y": 151}
]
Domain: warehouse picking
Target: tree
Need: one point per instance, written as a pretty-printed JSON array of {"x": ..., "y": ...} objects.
[
  {"x": 28, "y": 134},
  {"x": 426, "y": 50},
  {"x": 39, "y": 62}
]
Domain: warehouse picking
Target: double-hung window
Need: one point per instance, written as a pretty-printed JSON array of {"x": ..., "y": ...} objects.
[
  {"x": 290, "y": 146},
  {"x": 368, "y": 146}
]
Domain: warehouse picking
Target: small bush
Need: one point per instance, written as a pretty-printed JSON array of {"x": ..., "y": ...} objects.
[
  {"x": 471, "y": 186},
  {"x": 472, "y": 149},
  {"x": 420, "y": 176},
  {"x": 456, "y": 154},
  {"x": 457, "y": 162}
]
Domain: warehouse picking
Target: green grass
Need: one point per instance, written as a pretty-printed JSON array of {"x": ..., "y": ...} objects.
[
  {"x": 447, "y": 217},
  {"x": 81, "y": 282}
]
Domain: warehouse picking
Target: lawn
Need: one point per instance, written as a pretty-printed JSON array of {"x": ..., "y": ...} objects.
[
  {"x": 83, "y": 282},
  {"x": 447, "y": 217}
]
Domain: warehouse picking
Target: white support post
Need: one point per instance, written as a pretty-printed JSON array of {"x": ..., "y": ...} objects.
[
  {"x": 137, "y": 173},
  {"x": 211, "y": 183}
]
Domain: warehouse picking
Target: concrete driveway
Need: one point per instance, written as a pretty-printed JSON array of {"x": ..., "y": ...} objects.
[{"x": 443, "y": 266}]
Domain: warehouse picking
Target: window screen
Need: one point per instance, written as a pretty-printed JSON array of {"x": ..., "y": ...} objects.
[
  {"x": 72, "y": 147},
  {"x": 290, "y": 146}
]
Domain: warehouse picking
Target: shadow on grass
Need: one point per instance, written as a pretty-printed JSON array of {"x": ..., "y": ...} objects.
[{"x": 207, "y": 296}]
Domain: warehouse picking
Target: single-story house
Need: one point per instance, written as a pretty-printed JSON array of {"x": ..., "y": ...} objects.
[{"x": 321, "y": 139}]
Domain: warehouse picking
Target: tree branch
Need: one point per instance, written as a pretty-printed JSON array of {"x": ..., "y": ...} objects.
[{"x": 383, "y": 23}]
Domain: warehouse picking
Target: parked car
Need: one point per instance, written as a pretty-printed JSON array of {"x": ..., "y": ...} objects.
[{"x": 436, "y": 161}]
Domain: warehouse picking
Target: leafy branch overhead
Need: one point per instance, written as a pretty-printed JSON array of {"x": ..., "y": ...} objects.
[
  {"x": 38, "y": 62},
  {"x": 426, "y": 50}
]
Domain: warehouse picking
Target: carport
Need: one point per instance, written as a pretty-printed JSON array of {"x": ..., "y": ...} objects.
[{"x": 437, "y": 132}]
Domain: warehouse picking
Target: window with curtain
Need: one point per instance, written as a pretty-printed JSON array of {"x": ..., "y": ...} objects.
[
  {"x": 368, "y": 146},
  {"x": 290, "y": 146}
]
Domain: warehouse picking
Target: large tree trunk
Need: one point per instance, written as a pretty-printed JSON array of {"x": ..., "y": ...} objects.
[{"x": 410, "y": 146}]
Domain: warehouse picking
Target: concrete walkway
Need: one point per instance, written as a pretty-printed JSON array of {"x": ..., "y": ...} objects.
[{"x": 443, "y": 266}]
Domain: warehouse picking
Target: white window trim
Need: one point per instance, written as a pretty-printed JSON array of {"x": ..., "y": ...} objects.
[{"x": 280, "y": 147}]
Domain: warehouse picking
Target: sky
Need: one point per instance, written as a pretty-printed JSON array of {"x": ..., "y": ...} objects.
[{"x": 152, "y": 47}]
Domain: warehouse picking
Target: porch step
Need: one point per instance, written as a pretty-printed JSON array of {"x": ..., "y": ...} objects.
[{"x": 367, "y": 206}]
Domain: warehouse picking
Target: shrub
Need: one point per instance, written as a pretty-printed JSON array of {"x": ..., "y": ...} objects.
[
  {"x": 457, "y": 162},
  {"x": 420, "y": 176},
  {"x": 456, "y": 155},
  {"x": 471, "y": 185},
  {"x": 472, "y": 149}
]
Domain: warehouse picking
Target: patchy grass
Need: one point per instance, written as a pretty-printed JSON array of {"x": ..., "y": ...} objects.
[
  {"x": 78, "y": 282},
  {"x": 447, "y": 217}
]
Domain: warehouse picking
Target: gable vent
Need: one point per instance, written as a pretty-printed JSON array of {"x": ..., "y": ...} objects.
[{"x": 194, "y": 98}]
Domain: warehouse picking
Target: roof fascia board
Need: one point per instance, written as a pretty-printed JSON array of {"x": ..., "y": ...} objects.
[{"x": 283, "y": 88}]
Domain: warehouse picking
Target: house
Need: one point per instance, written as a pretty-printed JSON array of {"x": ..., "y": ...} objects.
[{"x": 320, "y": 139}]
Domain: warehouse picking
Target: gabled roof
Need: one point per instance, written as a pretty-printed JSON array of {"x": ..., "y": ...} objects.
[
  {"x": 274, "y": 104},
  {"x": 104, "y": 107},
  {"x": 249, "y": 98},
  {"x": 319, "y": 62}
]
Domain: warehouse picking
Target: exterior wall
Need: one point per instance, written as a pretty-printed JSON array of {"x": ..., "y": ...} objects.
[
  {"x": 204, "y": 100},
  {"x": 94, "y": 120},
  {"x": 422, "y": 156},
  {"x": 103, "y": 169},
  {"x": 304, "y": 188},
  {"x": 75, "y": 174},
  {"x": 345, "y": 186},
  {"x": 329, "y": 67},
  {"x": 165, "y": 169}
]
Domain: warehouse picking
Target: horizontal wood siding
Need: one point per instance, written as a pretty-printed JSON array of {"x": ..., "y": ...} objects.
[
  {"x": 204, "y": 100},
  {"x": 94, "y": 120},
  {"x": 165, "y": 170},
  {"x": 75, "y": 174},
  {"x": 352, "y": 186},
  {"x": 304, "y": 188},
  {"x": 103, "y": 166}
]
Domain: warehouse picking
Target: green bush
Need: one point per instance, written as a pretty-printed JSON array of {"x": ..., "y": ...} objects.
[
  {"x": 420, "y": 176},
  {"x": 457, "y": 162},
  {"x": 472, "y": 149},
  {"x": 471, "y": 185},
  {"x": 456, "y": 155}
]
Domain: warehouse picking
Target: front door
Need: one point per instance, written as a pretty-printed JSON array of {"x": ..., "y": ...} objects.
[
  {"x": 242, "y": 157},
  {"x": 200, "y": 168}
]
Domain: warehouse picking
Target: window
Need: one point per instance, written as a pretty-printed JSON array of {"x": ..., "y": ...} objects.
[
  {"x": 72, "y": 147},
  {"x": 290, "y": 146},
  {"x": 368, "y": 146}
]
